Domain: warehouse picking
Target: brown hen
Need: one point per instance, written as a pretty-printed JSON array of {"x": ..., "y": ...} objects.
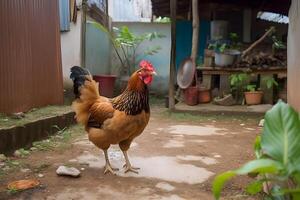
[{"x": 113, "y": 120}]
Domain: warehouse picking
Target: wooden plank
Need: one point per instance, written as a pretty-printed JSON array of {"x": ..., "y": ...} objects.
[
  {"x": 224, "y": 84},
  {"x": 206, "y": 82},
  {"x": 173, "y": 8}
]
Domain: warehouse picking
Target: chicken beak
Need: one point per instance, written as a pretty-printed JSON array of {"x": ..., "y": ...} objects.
[{"x": 154, "y": 73}]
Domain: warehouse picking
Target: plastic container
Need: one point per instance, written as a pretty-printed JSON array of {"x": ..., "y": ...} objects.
[
  {"x": 106, "y": 84},
  {"x": 226, "y": 58}
]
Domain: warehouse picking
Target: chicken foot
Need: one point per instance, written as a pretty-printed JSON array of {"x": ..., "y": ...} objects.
[
  {"x": 108, "y": 167},
  {"x": 128, "y": 166}
]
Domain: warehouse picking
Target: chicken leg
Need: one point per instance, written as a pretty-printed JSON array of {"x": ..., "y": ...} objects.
[
  {"x": 128, "y": 166},
  {"x": 108, "y": 167}
]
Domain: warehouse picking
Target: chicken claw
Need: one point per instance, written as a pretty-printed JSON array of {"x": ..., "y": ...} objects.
[
  {"x": 108, "y": 167},
  {"x": 131, "y": 169},
  {"x": 127, "y": 166}
]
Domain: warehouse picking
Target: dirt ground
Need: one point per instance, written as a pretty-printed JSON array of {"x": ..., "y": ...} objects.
[{"x": 179, "y": 155}]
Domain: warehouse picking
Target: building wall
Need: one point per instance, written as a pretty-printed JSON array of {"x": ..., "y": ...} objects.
[
  {"x": 98, "y": 50},
  {"x": 70, "y": 49},
  {"x": 30, "y": 55},
  {"x": 161, "y": 60}
]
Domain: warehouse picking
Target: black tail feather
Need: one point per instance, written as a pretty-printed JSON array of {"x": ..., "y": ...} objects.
[{"x": 78, "y": 76}]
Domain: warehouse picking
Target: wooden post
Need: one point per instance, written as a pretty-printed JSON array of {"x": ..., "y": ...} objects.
[
  {"x": 195, "y": 30},
  {"x": 173, "y": 8},
  {"x": 293, "y": 49},
  {"x": 83, "y": 31}
]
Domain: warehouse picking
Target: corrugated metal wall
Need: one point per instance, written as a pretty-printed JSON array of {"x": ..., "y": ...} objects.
[{"x": 30, "y": 56}]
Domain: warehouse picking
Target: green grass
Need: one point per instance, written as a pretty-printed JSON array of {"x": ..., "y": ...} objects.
[
  {"x": 156, "y": 100},
  {"x": 189, "y": 117},
  {"x": 33, "y": 115},
  {"x": 60, "y": 139}
]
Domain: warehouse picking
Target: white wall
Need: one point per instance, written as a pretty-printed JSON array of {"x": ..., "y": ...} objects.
[
  {"x": 161, "y": 60},
  {"x": 130, "y": 10},
  {"x": 70, "y": 49}
]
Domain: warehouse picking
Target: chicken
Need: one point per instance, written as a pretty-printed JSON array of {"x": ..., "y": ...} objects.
[{"x": 113, "y": 120}]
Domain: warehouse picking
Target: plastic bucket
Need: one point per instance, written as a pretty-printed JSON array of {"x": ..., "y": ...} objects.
[{"x": 106, "y": 84}]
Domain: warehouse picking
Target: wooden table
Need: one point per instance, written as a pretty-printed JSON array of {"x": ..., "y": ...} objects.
[{"x": 225, "y": 72}]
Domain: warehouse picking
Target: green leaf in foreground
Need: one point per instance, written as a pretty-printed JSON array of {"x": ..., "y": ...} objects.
[{"x": 259, "y": 166}]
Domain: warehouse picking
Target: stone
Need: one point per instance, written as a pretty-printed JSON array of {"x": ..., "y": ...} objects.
[
  {"x": 33, "y": 149},
  {"x": 2, "y": 158},
  {"x": 18, "y": 115},
  {"x": 261, "y": 123},
  {"x": 67, "y": 171},
  {"x": 25, "y": 170},
  {"x": 40, "y": 175},
  {"x": 17, "y": 153}
]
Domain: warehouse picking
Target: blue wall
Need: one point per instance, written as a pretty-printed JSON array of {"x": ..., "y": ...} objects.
[{"x": 184, "y": 32}]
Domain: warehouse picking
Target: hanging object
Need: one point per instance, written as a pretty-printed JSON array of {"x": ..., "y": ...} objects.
[{"x": 186, "y": 73}]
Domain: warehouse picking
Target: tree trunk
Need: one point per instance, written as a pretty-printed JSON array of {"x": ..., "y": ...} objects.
[
  {"x": 195, "y": 30},
  {"x": 173, "y": 8}
]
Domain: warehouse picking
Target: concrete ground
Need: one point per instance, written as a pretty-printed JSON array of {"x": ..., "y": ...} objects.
[{"x": 179, "y": 155}]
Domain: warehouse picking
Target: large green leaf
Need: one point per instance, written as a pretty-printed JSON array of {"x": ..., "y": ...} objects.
[
  {"x": 255, "y": 166},
  {"x": 281, "y": 135}
]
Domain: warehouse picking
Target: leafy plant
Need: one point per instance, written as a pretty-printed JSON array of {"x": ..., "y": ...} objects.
[
  {"x": 277, "y": 163},
  {"x": 127, "y": 45},
  {"x": 162, "y": 20},
  {"x": 223, "y": 45},
  {"x": 270, "y": 82},
  {"x": 251, "y": 88},
  {"x": 238, "y": 82}
]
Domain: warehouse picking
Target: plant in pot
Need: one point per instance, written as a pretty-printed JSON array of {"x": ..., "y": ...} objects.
[
  {"x": 226, "y": 51},
  {"x": 127, "y": 48},
  {"x": 253, "y": 96},
  {"x": 238, "y": 83}
]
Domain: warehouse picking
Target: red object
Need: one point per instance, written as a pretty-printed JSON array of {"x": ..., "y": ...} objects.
[
  {"x": 191, "y": 96},
  {"x": 146, "y": 65},
  {"x": 106, "y": 84},
  {"x": 204, "y": 96}
]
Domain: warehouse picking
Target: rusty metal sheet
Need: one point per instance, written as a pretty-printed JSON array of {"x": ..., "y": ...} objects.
[{"x": 30, "y": 55}]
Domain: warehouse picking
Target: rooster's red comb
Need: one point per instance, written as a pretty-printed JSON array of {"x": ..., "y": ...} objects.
[{"x": 146, "y": 65}]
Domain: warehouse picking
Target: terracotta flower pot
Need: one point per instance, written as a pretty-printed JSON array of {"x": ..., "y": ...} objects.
[
  {"x": 191, "y": 96},
  {"x": 253, "y": 98},
  {"x": 204, "y": 96}
]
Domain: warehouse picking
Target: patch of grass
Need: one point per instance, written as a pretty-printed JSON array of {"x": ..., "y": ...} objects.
[
  {"x": 41, "y": 167},
  {"x": 60, "y": 139},
  {"x": 12, "y": 191},
  {"x": 191, "y": 117},
  {"x": 7, "y": 121},
  {"x": 156, "y": 100}
]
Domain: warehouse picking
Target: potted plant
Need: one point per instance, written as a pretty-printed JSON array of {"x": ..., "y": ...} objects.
[
  {"x": 127, "y": 48},
  {"x": 226, "y": 52},
  {"x": 253, "y": 96}
]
